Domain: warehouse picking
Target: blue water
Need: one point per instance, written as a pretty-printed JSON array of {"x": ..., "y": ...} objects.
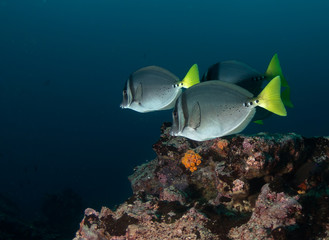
[{"x": 63, "y": 64}]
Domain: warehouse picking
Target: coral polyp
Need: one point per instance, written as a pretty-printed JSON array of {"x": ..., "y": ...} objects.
[{"x": 191, "y": 159}]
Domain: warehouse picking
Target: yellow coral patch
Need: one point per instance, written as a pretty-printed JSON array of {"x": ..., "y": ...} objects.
[
  {"x": 222, "y": 144},
  {"x": 191, "y": 159}
]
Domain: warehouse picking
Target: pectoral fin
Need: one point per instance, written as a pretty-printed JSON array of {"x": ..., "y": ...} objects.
[
  {"x": 139, "y": 93},
  {"x": 195, "y": 118}
]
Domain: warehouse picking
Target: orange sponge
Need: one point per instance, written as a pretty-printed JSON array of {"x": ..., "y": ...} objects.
[{"x": 191, "y": 159}]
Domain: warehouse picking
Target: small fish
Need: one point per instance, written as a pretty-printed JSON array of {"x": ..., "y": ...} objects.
[
  {"x": 214, "y": 109},
  {"x": 245, "y": 76},
  {"x": 154, "y": 88}
]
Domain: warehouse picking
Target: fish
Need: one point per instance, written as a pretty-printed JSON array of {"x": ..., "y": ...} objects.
[
  {"x": 247, "y": 77},
  {"x": 214, "y": 109},
  {"x": 154, "y": 88}
]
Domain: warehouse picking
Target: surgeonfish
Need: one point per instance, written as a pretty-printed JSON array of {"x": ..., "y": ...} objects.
[
  {"x": 247, "y": 77},
  {"x": 214, "y": 109},
  {"x": 154, "y": 88}
]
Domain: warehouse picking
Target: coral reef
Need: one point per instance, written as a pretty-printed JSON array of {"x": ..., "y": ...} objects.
[
  {"x": 263, "y": 186},
  {"x": 272, "y": 211}
]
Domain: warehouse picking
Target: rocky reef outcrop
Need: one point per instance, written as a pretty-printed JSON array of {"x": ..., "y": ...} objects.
[{"x": 263, "y": 186}]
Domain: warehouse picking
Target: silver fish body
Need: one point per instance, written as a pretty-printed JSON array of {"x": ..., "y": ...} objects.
[
  {"x": 149, "y": 89},
  {"x": 250, "y": 79},
  {"x": 212, "y": 109},
  {"x": 237, "y": 73}
]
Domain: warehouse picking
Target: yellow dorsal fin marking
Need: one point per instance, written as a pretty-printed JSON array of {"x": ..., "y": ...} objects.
[
  {"x": 274, "y": 69},
  {"x": 270, "y": 98},
  {"x": 191, "y": 78}
]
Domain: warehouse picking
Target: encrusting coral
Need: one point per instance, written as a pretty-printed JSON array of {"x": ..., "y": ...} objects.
[
  {"x": 247, "y": 187},
  {"x": 191, "y": 159}
]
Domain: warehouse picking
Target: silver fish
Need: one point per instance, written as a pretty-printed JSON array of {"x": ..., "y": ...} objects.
[
  {"x": 214, "y": 109},
  {"x": 154, "y": 88},
  {"x": 235, "y": 72},
  {"x": 247, "y": 77}
]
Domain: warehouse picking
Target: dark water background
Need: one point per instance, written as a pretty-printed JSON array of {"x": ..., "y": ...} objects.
[{"x": 63, "y": 64}]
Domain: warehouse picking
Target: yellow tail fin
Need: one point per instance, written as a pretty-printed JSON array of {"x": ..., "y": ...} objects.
[
  {"x": 285, "y": 95},
  {"x": 191, "y": 78},
  {"x": 274, "y": 69},
  {"x": 270, "y": 98}
]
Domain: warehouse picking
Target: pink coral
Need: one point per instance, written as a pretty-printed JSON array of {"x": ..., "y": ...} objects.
[
  {"x": 237, "y": 185},
  {"x": 272, "y": 210}
]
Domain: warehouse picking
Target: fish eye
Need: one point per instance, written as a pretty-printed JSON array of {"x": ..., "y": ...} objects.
[
  {"x": 124, "y": 92},
  {"x": 175, "y": 114}
]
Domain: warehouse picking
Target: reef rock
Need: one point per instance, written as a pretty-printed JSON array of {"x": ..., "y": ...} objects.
[{"x": 264, "y": 186}]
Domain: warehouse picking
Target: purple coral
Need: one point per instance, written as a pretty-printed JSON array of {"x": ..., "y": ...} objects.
[{"x": 272, "y": 210}]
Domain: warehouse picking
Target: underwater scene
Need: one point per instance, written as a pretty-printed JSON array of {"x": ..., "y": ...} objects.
[{"x": 164, "y": 119}]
